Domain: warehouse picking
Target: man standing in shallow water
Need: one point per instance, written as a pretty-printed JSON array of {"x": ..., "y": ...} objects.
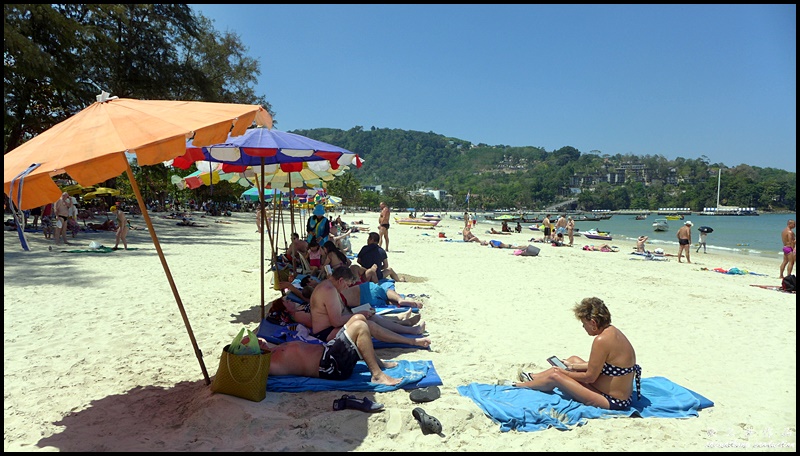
[{"x": 789, "y": 247}]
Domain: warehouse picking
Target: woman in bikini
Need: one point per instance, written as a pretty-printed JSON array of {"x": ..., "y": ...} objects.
[
  {"x": 334, "y": 257},
  {"x": 606, "y": 380}
]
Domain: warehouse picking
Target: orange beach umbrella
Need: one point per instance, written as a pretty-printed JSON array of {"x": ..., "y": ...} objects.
[{"x": 91, "y": 147}]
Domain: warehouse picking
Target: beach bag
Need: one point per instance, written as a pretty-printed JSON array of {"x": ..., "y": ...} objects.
[
  {"x": 242, "y": 376},
  {"x": 532, "y": 250},
  {"x": 789, "y": 284}
]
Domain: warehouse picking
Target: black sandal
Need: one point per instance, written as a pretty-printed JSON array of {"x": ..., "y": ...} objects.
[
  {"x": 348, "y": 401},
  {"x": 426, "y": 394},
  {"x": 428, "y": 423}
]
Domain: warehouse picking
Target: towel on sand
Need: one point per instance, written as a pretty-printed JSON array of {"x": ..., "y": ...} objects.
[
  {"x": 524, "y": 409},
  {"x": 416, "y": 374}
]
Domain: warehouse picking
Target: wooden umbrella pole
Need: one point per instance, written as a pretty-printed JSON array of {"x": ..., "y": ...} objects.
[{"x": 143, "y": 208}]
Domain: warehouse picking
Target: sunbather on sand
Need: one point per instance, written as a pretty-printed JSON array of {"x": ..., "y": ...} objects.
[
  {"x": 469, "y": 237},
  {"x": 607, "y": 379},
  {"x": 379, "y": 295},
  {"x": 640, "y": 242},
  {"x": 495, "y": 244},
  {"x": 329, "y": 313},
  {"x": 187, "y": 222},
  {"x": 333, "y": 361},
  {"x": 601, "y": 248}
]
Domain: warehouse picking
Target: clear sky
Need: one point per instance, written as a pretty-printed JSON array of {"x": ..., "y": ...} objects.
[{"x": 673, "y": 80}]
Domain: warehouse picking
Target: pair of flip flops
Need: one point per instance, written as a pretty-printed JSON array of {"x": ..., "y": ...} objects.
[
  {"x": 427, "y": 394},
  {"x": 429, "y": 424},
  {"x": 348, "y": 401}
]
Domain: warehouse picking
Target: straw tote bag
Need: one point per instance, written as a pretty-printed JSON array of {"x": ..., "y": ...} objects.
[{"x": 243, "y": 376}]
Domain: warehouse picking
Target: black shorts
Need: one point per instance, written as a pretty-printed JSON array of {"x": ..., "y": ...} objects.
[
  {"x": 339, "y": 358},
  {"x": 547, "y": 231},
  {"x": 385, "y": 225},
  {"x": 683, "y": 241}
]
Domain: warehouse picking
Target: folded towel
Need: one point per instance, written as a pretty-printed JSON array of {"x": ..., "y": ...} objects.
[{"x": 524, "y": 409}]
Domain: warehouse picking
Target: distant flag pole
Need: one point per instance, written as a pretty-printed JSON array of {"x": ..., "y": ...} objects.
[{"x": 468, "y": 191}]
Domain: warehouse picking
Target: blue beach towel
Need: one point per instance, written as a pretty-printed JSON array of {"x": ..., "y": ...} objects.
[
  {"x": 416, "y": 374},
  {"x": 278, "y": 334},
  {"x": 524, "y": 409}
]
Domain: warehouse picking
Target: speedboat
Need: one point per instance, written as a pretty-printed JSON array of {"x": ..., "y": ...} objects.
[
  {"x": 431, "y": 217},
  {"x": 661, "y": 225},
  {"x": 599, "y": 235}
]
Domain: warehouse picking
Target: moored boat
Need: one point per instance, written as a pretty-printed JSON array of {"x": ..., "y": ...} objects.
[
  {"x": 598, "y": 235},
  {"x": 416, "y": 221},
  {"x": 661, "y": 225}
]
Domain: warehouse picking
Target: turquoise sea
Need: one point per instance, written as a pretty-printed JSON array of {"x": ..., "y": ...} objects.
[{"x": 746, "y": 235}]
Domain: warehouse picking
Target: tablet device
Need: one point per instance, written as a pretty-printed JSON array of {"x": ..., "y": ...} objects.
[{"x": 553, "y": 360}]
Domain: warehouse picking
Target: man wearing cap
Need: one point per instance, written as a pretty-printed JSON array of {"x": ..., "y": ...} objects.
[
  {"x": 318, "y": 226},
  {"x": 685, "y": 240}
]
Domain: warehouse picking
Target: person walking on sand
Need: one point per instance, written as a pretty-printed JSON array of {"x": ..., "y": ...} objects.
[
  {"x": 383, "y": 225},
  {"x": 122, "y": 228},
  {"x": 685, "y": 241},
  {"x": 702, "y": 242},
  {"x": 789, "y": 240}
]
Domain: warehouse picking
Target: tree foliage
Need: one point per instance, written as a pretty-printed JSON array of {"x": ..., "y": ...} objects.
[
  {"x": 533, "y": 178},
  {"x": 58, "y": 57}
]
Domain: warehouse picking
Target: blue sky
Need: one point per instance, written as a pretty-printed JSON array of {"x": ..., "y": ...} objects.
[{"x": 673, "y": 80}]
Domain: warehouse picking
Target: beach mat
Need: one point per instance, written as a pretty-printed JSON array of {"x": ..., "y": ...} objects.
[
  {"x": 416, "y": 374},
  {"x": 278, "y": 334},
  {"x": 773, "y": 288},
  {"x": 525, "y": 410},
  {"x": 101, "y": 249}
]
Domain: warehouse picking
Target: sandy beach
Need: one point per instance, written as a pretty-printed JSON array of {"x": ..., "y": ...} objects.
[{"x": 96, "y": 356}]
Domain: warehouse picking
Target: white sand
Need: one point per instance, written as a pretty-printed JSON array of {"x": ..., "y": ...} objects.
[{"x": 96, "y": 356}]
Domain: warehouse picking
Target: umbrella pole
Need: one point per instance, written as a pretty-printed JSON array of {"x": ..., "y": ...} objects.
[
  {"x": 263, "y": 214},
  {"x": 291, "y": 206},
  {"x": 161, "y": 257}
]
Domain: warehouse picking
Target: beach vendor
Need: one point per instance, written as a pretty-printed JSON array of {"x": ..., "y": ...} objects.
[{"x": 318, "y": 226}]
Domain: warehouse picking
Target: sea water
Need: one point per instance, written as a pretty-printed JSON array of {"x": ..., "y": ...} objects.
[{"x": 745, "y": 235}]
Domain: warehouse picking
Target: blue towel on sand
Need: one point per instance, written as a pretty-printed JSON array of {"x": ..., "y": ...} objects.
[
  {"x": 278, "y": 334},
  {"x": 524, "y": 409},
  {"x": 416, "y": 374}
]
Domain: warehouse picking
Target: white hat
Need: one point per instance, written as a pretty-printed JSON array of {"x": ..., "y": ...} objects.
[{"x": 689, "y": 222}]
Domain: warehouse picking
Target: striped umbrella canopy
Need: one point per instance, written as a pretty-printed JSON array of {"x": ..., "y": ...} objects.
[{"x": 264, "y": 146}]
